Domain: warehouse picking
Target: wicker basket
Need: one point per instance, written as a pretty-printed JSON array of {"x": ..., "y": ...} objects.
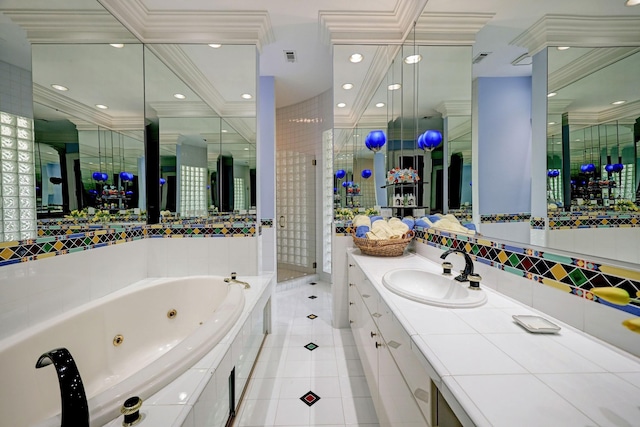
[{"x": 393, "y": 247}]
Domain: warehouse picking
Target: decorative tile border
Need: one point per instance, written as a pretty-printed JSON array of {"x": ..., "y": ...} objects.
[
  {"x": 515, "y": 217},
  {"x": 593, "y": 220},
  {"x": 63, "y": 239},
  {"x": 266, "y": 222},
  {"x": 574, "y": 275},
  {"x": 538, "y": 223}
]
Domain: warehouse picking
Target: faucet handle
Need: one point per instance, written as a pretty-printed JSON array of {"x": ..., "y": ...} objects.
[
  {"x": 233, "y": 275},
  {"x": 474, "y": 281}
]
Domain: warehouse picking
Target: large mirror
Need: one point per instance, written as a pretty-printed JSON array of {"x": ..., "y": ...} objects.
[
  {"x": 92, "y": 103},
  {"x": 425, "y": 88},
  {"x": 592, "y": 161}
]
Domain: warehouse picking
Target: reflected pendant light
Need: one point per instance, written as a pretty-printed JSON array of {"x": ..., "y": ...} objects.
[
  {"x": 340, "y": 173},
  {"x": 366, "y": 173},
  {"x": 554, "y": 173},
  {"x": 429, "y": 140},
  {"x": 162, "y": 181},
  {"x": 375, "y": 140}
]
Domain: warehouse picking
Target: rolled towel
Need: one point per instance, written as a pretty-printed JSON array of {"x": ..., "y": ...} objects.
[
  {"x": 361, "y": 231},
  {"x": 375, "y": 218},
  {"x": 359, "y": 220},
  {"x": 410, "y": 222},
  {"x": 399, "y": 228},
  {"x": 383, "y": 230}
]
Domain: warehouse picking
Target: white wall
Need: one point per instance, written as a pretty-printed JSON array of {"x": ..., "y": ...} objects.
[{"x": 31, "y": 292}]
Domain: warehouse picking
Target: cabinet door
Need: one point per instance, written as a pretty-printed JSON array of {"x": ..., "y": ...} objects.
[
  {"x": 362, "y": 327},
  {"x": 396, "y": 406}
]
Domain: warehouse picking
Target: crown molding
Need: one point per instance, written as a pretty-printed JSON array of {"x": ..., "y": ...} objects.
[
  {"x": 370, "y": 27},
  {"x": 580, "y": 31},
  {"x": 454, "y": 108},
  {"x": 587, "y": 64},
  {"x": 245, "y": 131},
  {"x": 620, "y": 113},
  {"x": 195, "y": 26},
  {"x": 182, "y": 109},
  {"x": 557, "y": 106},
  {"x": 82, "y": 113},
  {"x": 461, "y": 130},
  {"x": 450, "y": 28},
  {"x": 70, "y": 26}
]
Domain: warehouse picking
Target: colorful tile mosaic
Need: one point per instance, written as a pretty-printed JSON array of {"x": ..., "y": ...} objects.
[
  {"x": 538, "y": 223},
  {"x": 310, "y": 398},
  {"x": 266, "y": 223},
  {"x": 574, "y": 275},
  {"x": 517, "y": 217},
  {"x": 569, "y": 220},
  {"x": 60, "y": 239}
]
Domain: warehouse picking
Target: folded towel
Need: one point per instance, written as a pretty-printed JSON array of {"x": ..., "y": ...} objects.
[
  {"x": 433, "y": 218},
  {"x": 359, "y": 220},
  {"x": 424, "y": 224},
  {"x": 375, "y": 218},
  {"x": 361, "y": 231},
  {"x": 409, "y": 221},
  {"x": 470, "y": 226}
]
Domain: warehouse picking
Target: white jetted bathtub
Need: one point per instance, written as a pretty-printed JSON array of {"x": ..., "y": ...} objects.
[{"x": 130, "y": 343}]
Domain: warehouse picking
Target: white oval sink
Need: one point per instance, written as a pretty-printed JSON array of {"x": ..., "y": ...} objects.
[{"x": 434, "y": 289}]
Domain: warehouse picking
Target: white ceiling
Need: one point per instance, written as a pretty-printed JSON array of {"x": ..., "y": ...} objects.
[{"x": 308, "y": 28}]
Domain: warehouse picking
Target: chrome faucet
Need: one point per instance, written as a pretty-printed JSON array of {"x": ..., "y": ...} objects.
[
  {"x": 468, "y": 264},
  {"x": 75, "y": 410},
  {"x": 233, "y": 279}
]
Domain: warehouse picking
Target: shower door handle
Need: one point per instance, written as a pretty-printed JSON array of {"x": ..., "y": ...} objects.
[{"x": 282, "y": 221}]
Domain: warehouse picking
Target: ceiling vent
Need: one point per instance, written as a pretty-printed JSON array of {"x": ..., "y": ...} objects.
[
  {"x": 290, "y": 55},
  {"x": 523, "y": 59},
  {"x": 479, "y": 57}
]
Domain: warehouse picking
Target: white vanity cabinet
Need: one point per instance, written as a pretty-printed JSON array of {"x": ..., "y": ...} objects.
[{"x": 381, "y": 344}]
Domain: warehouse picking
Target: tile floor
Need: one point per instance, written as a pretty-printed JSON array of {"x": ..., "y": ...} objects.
[{"x": 308, "y": 373}]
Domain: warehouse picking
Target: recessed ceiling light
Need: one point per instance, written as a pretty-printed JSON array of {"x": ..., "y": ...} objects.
[
  {"x": 60, "y": 87},
  {"x": 380, "y": 104},
  {"x": 550, "y": 94},
  {"x": 356, "y": 57},
  {"x": 179, "y": 96},
  {"x": 224, "y": 131},
  {"x": 341, "y": 105},
  {"x": 552, "y": 123},
  {"x": 632, "y": 2},
  {"x": 618, "y": 102},
  {"x": 412, "y": 59},
  {"x": 246, "y": 149},
  {"x": 394, "y": 86},
  {"x": 347, "y": 86},
  {"x": 215, "y": 45},
  {"x": 578, "y": 140},
  {"x": 563, "y": 47},
  {"x": 102, "y": 106},
  {"x": 246, "y": 96},
  {"x": 117, "y": 45}
]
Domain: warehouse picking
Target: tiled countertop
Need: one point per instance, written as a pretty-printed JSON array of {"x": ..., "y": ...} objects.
[{"x": 495, "y": 373}]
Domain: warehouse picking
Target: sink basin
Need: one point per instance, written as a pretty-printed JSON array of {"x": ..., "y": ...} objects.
[{"x": 433, "y": 289}]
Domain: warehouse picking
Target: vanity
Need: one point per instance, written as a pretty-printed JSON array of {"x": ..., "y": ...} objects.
[{"x": 434, "y": 365}]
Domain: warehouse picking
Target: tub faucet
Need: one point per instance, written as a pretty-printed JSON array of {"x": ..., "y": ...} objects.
[
  {"x": 233, "y": 279},
  {"x": 468, "y": 264},
  {"x": 75, "y": 410}
]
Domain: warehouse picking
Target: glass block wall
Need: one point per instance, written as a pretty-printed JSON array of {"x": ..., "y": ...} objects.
[
  {"x": 17, "y": 170},
  {"x": 193, "y": 191}
]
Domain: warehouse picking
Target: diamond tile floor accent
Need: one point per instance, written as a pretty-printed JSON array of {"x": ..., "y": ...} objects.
[
  {"x": 287, "y": 370},
  {"x": 310, "y": 398},
  {"x": 313, "y": 297},
  {"x": 311, "y": 346},
  {"x": 312, "y": 316}
]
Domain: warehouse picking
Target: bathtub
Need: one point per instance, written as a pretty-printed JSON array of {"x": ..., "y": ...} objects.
[{"x": 165, "y": 325}]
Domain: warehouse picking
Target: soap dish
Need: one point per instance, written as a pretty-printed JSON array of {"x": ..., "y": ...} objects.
[{"x": 536, "y": 324}]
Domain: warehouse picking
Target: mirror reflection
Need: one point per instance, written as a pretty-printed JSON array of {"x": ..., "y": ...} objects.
[{"x": 426, "y": 88}]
